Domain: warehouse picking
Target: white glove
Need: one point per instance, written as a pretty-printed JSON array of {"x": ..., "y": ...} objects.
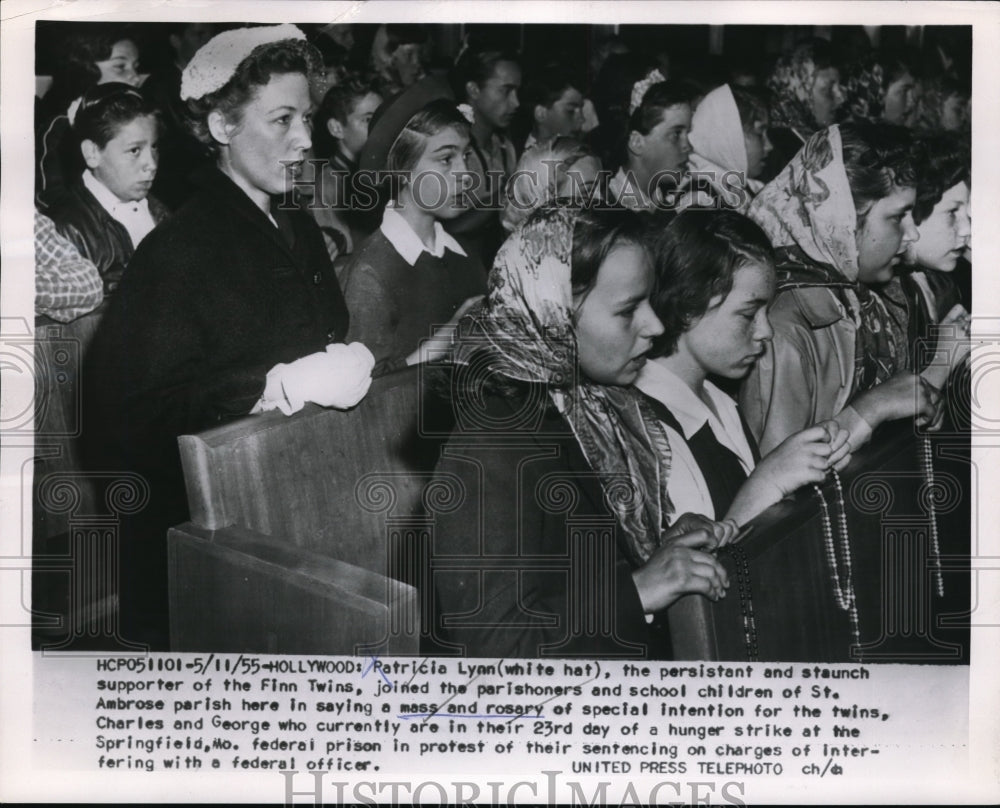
[{"x": 337, "y": 377}]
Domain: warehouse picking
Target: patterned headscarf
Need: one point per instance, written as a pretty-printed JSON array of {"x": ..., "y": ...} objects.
[
  {"x": 791, "y": 85},
  {"x": 808, "y": 214},
  {"x": 526, "y": 329},
  {"x": 865, "y": 91}
]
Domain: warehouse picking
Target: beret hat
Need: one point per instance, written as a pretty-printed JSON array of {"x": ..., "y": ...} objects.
[{"x": 393, "y": 115}]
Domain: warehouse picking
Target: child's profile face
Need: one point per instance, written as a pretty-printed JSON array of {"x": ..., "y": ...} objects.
[
  {"x": 354, "y": 131},
  {"x": 437, "y": 180},
  {"x": 732, "y": 334},
  {"x": 127, "y": 164}
]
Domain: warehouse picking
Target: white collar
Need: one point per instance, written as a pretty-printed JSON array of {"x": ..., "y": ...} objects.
[
  {"x": 692, "y": 413},
  {"x": 627, "y": 191},
  {"x": 408, "y": 244},
  {"x": 111, "y": 203}
]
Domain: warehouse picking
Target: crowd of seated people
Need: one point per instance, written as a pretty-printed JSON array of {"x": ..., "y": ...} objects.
[{"x": 742, "y": 264}]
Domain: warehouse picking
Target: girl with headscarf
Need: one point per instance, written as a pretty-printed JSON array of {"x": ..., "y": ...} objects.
[
  {"x": 559, "y": 544},
  {"x": 839, "y": 216},
  {"x": 561, "y": 168},
  {"x": 730, "y": 142},
  {"x": 881, "y": 88},
  {"x": 805, "y": 95},
  {"x": 943, "y": 106}
]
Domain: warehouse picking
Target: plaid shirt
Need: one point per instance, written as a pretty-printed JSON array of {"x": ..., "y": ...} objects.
[{"x": 67, "y": 285}]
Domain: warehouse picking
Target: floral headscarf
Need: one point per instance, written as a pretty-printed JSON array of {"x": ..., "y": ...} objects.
[
  {"x": 791, "y": 85},
  {"x": 536, "y": 182},
  {"x": 526, "y": 329},
  {"x": 865, "y": 92},
  {"x": 808, "y": 214}
]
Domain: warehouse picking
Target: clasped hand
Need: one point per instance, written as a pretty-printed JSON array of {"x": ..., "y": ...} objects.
[{"x": 684, "y": 564}]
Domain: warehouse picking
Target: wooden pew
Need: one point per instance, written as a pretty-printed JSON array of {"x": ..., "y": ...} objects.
[
  {"x": 298, "y": 525},
  {"x": 782, "y": 584}
]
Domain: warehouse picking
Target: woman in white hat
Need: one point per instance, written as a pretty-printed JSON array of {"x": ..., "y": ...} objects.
[{"x": 230, "y": 307}]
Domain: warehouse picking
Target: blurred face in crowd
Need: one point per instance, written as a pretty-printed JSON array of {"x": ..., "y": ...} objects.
[
  {"x": 564, "y": 117},
  {"x": 666, "y": 147},
  {"x": 437, "y": 180},
  {"x": 887, "y": 232},
  {"x": 944, "y": 234},
  {"x": 189, "y": 41},
  {"x": 900, "y": 99},
  {"x": 406, "y": 61},
  {"x": 122, "y": 65},
  {"x": 127, "y": 164},
  {"x": 826, "y": 96},
  {"x": 615, "y": 324},
  {"x": 354, "y": 131},
  {"x": 262, "y": 152},
  {"x": 496, "y": 101},
  {"x": 954, "y": 113},
  {"x": 758, "y": 147},
  {"x": 734, "y": 331},
  {"x": 342, "y": 34}
]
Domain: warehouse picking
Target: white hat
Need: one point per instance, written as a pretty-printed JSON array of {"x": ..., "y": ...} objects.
[{"x": 216, "y": 61}]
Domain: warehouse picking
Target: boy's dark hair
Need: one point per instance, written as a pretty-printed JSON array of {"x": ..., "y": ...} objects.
[
  {"x": 695, "y": 258},
  {"x": 106, "y": 108},
  {"x": 477, "y": 66},
  {"x": 339, "y": 102}
]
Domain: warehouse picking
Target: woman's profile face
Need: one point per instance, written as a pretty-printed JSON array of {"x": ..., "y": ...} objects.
[
  {"x": 436, "y": 181},
  {"x": 122, "y": 65},
  {"x": 944, "y": 234},
  {"x": 887, "y": 231},
  {"x": 732, "y": 334},
  {"x": 826, "y": 96},
  {"x": 126, "y": 165},
  {"x": 615, "y": 324},
  {"x": 266, "y": 146}
]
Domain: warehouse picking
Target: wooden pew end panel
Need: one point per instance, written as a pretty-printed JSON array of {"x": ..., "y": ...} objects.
[{"x": 234, "y": 590}]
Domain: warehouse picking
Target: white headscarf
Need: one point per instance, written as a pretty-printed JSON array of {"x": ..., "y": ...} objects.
[
  {"x": 717, "y": 132},
  {"x": 720, "y": 151}
]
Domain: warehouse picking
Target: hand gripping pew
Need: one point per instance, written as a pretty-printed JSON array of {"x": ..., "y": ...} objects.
[
  {"x": 295, "y": 522},
  {"x": 791, "y": 580}
]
